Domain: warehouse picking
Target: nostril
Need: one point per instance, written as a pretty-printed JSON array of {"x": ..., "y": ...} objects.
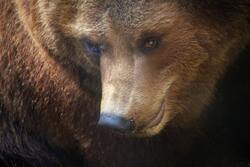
[{"x": 116, "y": 122}]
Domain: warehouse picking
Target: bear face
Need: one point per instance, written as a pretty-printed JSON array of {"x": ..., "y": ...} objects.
[
  {"x": 159, "y": 61},
  {"x": 162, "y": 65}
]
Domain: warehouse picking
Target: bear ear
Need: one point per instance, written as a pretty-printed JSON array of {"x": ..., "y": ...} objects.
[
  {"x": 24, "y": 10},
  {"x": 28, "y": 11},
  {"x": 26, "y": 5},
  {"x": 36, "y": 22},
  {"x": 23, "y": 6}
]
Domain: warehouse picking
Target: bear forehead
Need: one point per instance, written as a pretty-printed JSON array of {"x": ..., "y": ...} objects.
[
  {"x": 123, "y": 15},
  {"x": 130, "y": 13}
]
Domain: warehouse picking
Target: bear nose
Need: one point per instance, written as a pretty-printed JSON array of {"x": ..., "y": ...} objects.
[{"x": 116, "y": 122}]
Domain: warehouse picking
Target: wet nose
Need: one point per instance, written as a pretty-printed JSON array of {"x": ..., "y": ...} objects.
[{"x": 116, "y": 122}]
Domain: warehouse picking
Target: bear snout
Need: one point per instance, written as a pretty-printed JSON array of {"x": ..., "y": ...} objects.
[{"x": 115, "y": 122}]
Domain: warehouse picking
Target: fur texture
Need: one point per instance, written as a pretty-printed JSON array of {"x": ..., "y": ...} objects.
[{"x": 50, "y": 86}]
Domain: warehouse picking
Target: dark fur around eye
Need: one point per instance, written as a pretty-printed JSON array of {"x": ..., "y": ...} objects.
[
  {"x": 149, "y": 44},
  {"x": 91, "y": 47}
]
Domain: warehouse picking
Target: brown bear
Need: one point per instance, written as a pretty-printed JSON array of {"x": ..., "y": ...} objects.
[
  {"x": 159, "y": 64},
  {"x": 170, "y": 69}
]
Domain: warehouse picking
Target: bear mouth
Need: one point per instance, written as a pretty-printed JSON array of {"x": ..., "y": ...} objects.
[{"x": 157, "y": 119}]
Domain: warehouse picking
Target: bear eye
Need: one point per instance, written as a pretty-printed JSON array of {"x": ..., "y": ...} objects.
[
  {"x": 92, "y": 48},
  {"x": 149, "y": 44}
]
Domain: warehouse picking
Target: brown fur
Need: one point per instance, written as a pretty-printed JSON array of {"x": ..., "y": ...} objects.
[
  {"x": 38, "y": 90},
  {"x": 49, "y": 86},
  {"x": 181, "y": 74}
]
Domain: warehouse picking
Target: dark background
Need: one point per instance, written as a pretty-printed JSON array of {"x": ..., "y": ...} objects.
[{"x": 227, "y": 121}]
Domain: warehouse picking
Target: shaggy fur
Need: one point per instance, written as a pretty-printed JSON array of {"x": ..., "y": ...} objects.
[
  {"x": 38, "y": 126},
  {"x": 50, "y": 88}
]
